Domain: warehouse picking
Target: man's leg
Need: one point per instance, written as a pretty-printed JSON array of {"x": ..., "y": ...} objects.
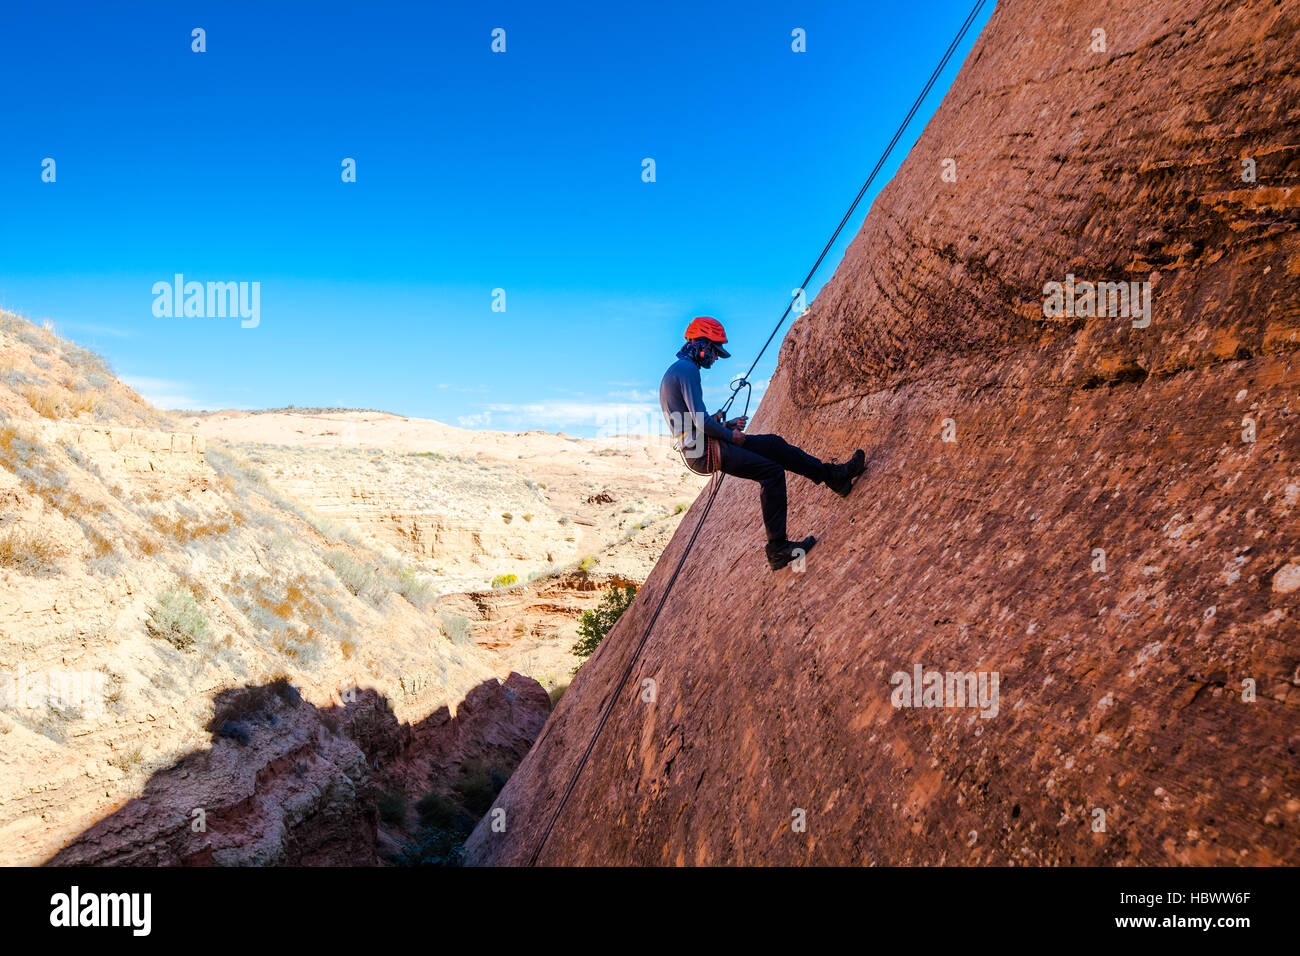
[
  {"x": 788, "y": 456},
  {"x": 743, "y": 463}
]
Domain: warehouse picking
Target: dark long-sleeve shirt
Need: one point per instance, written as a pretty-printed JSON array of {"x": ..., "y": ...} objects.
[{"x": 682, "y": 400}]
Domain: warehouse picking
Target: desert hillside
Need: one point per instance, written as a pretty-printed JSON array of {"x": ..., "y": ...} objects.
[
  {"x": 1097, "y": 509},
  {"x": 286, "y": 638},
  {"x": 565, "y": 517}
]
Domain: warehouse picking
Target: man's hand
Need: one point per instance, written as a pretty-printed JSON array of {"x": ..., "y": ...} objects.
[
  {"x": 738, "y": 424},
  {"x": 737, "y": 437}
]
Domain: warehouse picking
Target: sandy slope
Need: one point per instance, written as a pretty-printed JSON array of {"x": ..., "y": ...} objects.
[{"x": 466, "y": 506}]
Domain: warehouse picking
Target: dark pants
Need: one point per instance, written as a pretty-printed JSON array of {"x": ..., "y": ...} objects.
[{"x": 766, "y": 459}]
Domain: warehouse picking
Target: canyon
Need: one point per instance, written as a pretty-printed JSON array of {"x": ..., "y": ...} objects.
[
  {"x": 239, "y": 639},
  {"x": 1101, "y": 511}
]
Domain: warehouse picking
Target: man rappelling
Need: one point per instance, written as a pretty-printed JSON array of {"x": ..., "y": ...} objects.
[{"x": 707, "y": 444}]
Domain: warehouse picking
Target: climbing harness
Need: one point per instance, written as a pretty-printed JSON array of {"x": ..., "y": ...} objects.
[{"x": 715, "y": 481}]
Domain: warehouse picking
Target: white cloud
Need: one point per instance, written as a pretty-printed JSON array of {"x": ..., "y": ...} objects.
[{"x": 479, "y": 420}]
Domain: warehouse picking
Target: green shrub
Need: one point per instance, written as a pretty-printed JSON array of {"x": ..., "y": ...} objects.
[
  {"x": 177, "y": 619},
  {"x": 415, "y": 589},
  {"x": 555, "y": 693},
  {"x": 392, "y": 808},
  {"x": 479, "y": 787},
  {"x": 504, "y": 580},
  {"x": 438, "y": 811},
  {"x": 593, "y": 625},
  {"x": 457, "y": 629},
  {"x": 435, "y": 846},
  {"x": 358, "y": 578},
  {"x": 447, "y": 820},
  {"x": 679, "y": 509}
]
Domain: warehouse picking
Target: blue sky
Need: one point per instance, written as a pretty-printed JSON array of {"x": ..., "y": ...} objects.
[{"x": 475, "y": 171}]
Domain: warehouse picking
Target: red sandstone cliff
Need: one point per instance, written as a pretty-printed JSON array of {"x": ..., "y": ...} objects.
[{"x": 1123, "y": 689}]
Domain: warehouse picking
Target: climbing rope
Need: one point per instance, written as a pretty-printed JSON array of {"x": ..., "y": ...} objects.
[
  {"x": 716, "y": 480},
  {"x": 744, "y": 379}
]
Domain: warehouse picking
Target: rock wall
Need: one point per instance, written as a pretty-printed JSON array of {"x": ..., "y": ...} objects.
[
  {"x": 285, "y": 783},
  {"x": 1097, "y": 509}
]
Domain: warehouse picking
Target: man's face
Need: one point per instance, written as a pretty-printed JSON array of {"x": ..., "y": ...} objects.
[{"x": 709, "y": 357}]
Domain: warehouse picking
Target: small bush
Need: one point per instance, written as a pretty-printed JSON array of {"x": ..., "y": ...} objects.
[
  {"x": 679, "y": 509},
  {"x": 458, "y": 629},
  {"x": 527, "y": 517},
  {"x": 252, "y": 704},
  {"x": 593, "y": 625},
  {"x": 127, "y": 761},
  {"x": 358, "y": 578},
  {"x": 434, "y": 847},
  {"x": 177, "y": 619},
  {"x": 26, "y": 551},
  {"x": 446, "y": 820},
  {"x": 506, "y": 516},
  {"x": 479, "y": 787},
  {"x": 416, "y": 590},
  {"x": 392, "y": 808},
  {"x": 504, "y": 580},
  {"x": 438, "y": 810}
]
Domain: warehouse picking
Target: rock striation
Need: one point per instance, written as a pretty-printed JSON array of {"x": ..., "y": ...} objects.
[{"x": 1097, "y": 507}]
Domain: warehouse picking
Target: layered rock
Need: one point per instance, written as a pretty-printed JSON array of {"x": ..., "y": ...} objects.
[
  {"x": 144, "y": 575},
  {"x": 284, "y": 783},
  {"x": 1099, "y": 511}
]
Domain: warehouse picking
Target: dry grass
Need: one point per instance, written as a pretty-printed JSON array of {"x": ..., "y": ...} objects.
[
  {"x": 99, "y": 545},
  {"x": 54, "y": 401},
  {"x": 288, "y": 616},
  {"x": 146, "y": 546},
  {"x": 185, "y": 530},
  {"x": 128, "y": 761},
  {"x": 26, "y": 551}
]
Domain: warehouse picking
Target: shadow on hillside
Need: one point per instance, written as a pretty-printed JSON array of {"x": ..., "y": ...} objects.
[{"x": 284, "y": 782}]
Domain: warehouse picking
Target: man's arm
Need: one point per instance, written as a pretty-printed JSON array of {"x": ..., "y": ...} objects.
[{"x": 693, "y": 395}]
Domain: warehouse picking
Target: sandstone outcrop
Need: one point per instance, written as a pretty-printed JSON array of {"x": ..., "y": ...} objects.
[
  {"x": 466, "y": 507},
  {"x": 146, "y": 574},
  {"x": 284, "y": 783},
  {"x": 1099, "y": 510}
]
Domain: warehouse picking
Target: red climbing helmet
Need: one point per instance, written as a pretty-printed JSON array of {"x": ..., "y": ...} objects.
[{"x": 704, "y": 327}]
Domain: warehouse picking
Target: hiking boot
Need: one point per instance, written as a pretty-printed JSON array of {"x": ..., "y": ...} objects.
[
  {"x": 781, "y": 553},
  {"x": 839, "y": 478}
]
